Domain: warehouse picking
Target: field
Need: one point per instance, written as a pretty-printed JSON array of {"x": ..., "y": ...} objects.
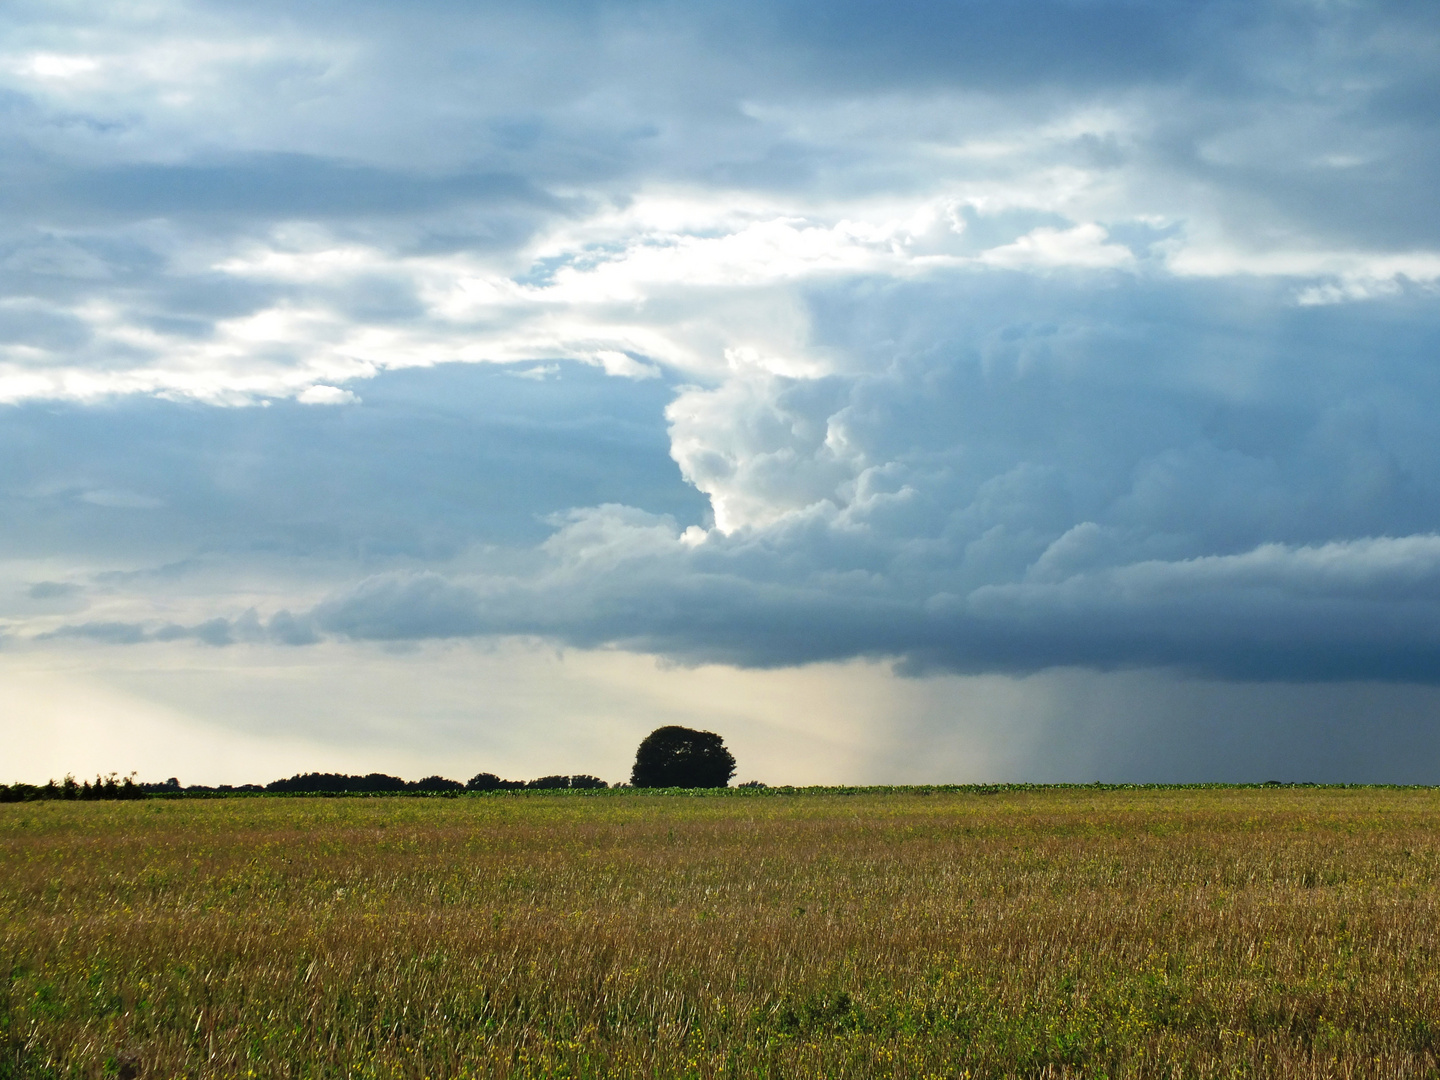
[{"x": 1045, "y": 932}]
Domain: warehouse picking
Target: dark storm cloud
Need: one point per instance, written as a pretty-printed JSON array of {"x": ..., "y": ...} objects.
[{"x": 1370, "y": 613}]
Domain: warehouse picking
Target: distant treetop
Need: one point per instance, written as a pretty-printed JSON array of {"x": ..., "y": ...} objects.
[
  {"x": 338, "y": 782},
  {"x": 675, "y": 756}
]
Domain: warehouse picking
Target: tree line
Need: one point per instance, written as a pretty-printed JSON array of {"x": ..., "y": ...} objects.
[
  {"x": 670, "y": 756},
  {"x": 317, "y": 783}
]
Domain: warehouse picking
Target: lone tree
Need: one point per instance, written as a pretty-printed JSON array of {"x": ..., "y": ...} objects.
[{"x": 676, "y": 756}]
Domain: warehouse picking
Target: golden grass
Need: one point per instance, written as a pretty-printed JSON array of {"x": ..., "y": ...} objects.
[{"x": 1158, "y": 933}]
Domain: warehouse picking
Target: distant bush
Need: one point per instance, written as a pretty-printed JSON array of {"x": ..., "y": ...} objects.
[
  {"x": 549, "y": 783},
  {"x": 586, "y": 781},
  {"x": 753, "y": 784}
]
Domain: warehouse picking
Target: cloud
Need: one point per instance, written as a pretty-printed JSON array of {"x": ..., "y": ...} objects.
[
  {"x": 429, "y": 463},
  {"x": 229, "y": 215},
  {"x": 121, "y": 500},
  {"x": 109, "y": 633},
  {"x": 402, "y": 607},
  {"x": 1074, "y": 468},
  {"x": 51, "y": 590},
  {"x": 1084, "y": 245},
  {"x": 326, "y": 395},
  {"x": 216, "y": 631},
  {"x": 271, "y": 187},
  {"x": 1355, "y": 610},
  {"x": 975, "y": 337}
]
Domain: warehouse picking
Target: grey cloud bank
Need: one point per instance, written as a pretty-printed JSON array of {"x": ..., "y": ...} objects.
[
  {"x": 1362, "y": 611},
  {"x": 983, "y": 338}
]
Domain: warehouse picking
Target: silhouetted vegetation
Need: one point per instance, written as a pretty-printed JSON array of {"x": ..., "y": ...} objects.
[
  {"x": 173, "y": 789},
  {"x": 669, "y": 757},
  {"x": 490, "y": 782},
  {"x": 436, "y": 783},
  {"x": 104, "y": 787},
  {"x": 313, "y": 783},
  {"x": 337, "y": 782},
  {"x": 682, "y": 757}
]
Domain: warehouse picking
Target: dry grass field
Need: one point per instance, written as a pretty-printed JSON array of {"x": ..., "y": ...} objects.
[{"x": 1063, "y": 932}]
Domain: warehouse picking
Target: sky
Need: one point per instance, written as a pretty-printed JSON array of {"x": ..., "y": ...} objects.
[{"x": 909, "y": 392}]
